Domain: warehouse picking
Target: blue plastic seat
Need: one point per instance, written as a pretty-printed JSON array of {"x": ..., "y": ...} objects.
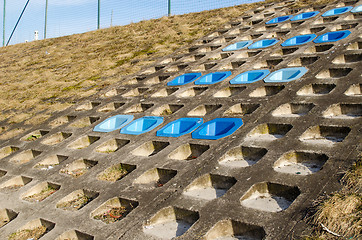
[
  {"x": 113, "y": 123},
  {"x": 286, "y": 74},
  {"x": 263, "y": 43},
  {"x": 337, "y": 11},
  {"x": 179, "y": 127},
  {"x": 298, "y": 40},
  {"x": 184, "y": 79},
  {"x": 212, "y": 78},
  {"x": 217, "y": 128},
  {"x": 250, "y": 76},
  {"x": 279, "y": 19},
  {"x": 332, "y": 36},
  {"x": 357, "y": 9},
  {"x": 304, "y": 16},
  {"x": 142, "y": 125},
  {"x": 237, "y": 46}
]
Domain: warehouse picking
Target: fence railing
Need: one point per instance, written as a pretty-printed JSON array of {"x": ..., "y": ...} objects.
[{"x": 55, "y": 18}]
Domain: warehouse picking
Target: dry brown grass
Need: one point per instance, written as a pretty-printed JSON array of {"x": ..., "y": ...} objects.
[
  {"x": 341, "y": 213},
  {"x": 42, "y": 77}
]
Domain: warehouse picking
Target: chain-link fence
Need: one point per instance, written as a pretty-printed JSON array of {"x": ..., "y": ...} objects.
[{"x": 55, "y": 18}]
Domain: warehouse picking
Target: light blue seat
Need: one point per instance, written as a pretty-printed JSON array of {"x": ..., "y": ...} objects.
[
  {"x": 212, "y": 78},
  {"x": 337, "y": 11},
  {"x": 357, "y": 9},
  {"x": 237, "y": 46},
  {"x": 179, "y": 127},
  {"x": 332, "y": 36},
  {"x": 142, "y": 125},
  {"x": 298, "y": 40},
  {"x": 263, "y": 43},
  {"x": 286, "y": 74},
  {"x": 304, "y": 16},
  {"x": 184, "y": 79},
  {"x": 217, "y": 128},
  {"x": 113, "y": 123},
  {"x": 279, "y": 19},
  {"x": 250, "y": 76}
]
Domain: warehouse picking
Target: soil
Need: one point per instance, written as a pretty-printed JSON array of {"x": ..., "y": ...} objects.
[
  {"x": 113, "y": 215},
  {"x": 38, "y": 197},
  {"x": 75, "y": 204},
  {"x": 25, "y": 234}
]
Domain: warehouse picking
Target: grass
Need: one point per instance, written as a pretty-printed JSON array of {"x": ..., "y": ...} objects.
[
  {"x": 80, "y": 201},
  {"x": 60, "y": 71},
  {"x": 341, "y": 213},
  {"x": 113, "y": 173},
  {"x": 25, "y": 234},
  {"x": 43, "y": 194}
]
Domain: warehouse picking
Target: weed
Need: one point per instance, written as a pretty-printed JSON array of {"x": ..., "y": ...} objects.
[
  {"x": 113, "y": 173},
  {"x": 43, "y": 194},
  {"x": 114, "y": 214},
  {"x": 33, "y": 137},
  {"x": 25, "y": 234},
  {"x": 80, "y": 201}
]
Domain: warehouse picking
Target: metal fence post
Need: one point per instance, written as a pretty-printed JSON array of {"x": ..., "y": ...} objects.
[
  {"x": 99, "y": 14},
  {"x": 169, "y": 7},
  {"x": 46, "y": 19},
  {"x": 4, "y": 11}
]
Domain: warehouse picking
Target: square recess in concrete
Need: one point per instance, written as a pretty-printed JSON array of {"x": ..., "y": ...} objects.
[
  {"x": 78, "y": 167},
  {"x": 76, "y": 200},
  {"x": 209, "y": 187},
  {"x": 134, "y": 92},
  {"x": 268, "y": 132},
  {"x": 8, "y": 150},
  {"x": 61, "y": 121},
  {"x": 167, "y": 109},
  {"x": 203, "y": 110},
  {"x": 6, "y": 215},
  {"x": 293, "y": 109},
  {"x": 87, "y": 106},
  {"x": 228, "y": 92},
  {"x": 25, "y": 156},
  {"x": 327, "y": 135},
  {"x": 150, "y": 148},
  {"x": 188, "y": 151},
  {"x": 114, "y": 210},
  {"x": 34, "y": 229},
  {"x": 109, "y": 107},
  {"x": 83, "y": 142},
  {"x": 343, "y": 111},
  {"x": 15, "y": 183},
  {"x": 138, "y": 108},
  {"x": 354, "y": 90},
  {"x": 266, "y": 91},
  {"x": 74, "y": 235},
  {"x": 300, "y": 162},
  {"x": 50, "y": 162},
  {"x": 192, "y": 92},
  {"x": 35, "y": 135},
  {"x": 170, "y": 222},
  {"x": 269, "y": 197},
  {"x": 230, "y": 229},
  {"x": 241, "y": 109},
  {"x": 164, "y": 92},
  {"x": 156, "y": 177},
  {"x": 116, "y": 172},
  {"x": 333, "y": 73},
  {"x": 56, "y": 138},
  {"x": 84, "y": 122},
  {"x": 242, "y": 157},
  {"x": 2, "y": 173},
  {"x": 40, "y": 192},
  {"x": 112, "y": 145},
  {"x": 316, "y": 89},
  {"x": 348, "y": 58}
]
